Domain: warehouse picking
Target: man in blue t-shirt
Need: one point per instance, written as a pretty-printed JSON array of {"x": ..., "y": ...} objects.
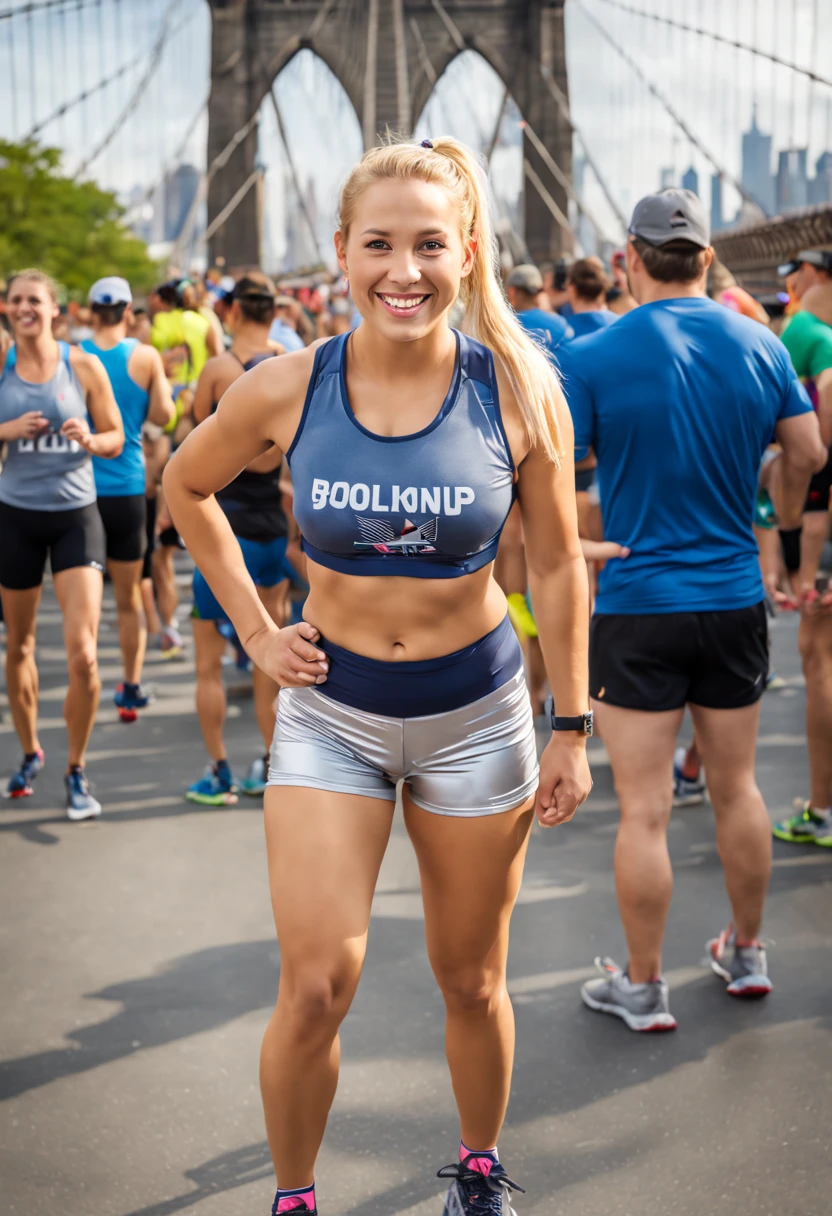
[
  {"x": 586, "y": 290},
  {"x": 524, "y": 285},
  {"x": 679, "y": 399}
]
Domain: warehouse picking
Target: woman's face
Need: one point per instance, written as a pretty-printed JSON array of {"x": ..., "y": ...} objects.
[
  {"x": 30, "y": 308},
  {"x": 405, "y": 257}
]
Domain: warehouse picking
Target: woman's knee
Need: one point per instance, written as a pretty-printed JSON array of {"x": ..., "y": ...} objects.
[
  {"x": 316, "y": 999},
  {"x": 471, "y": 988},
  {"x": 82, "y": 660},
  {"x": 20, "y": 648}
]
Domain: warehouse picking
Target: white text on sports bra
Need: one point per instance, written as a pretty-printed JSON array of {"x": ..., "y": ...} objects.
[
  {"x": 433, "y": 500},
  {"x": 57, "y": 444}
]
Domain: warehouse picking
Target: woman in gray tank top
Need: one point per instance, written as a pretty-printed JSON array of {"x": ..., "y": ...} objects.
[{"x": 47, "y": 508}]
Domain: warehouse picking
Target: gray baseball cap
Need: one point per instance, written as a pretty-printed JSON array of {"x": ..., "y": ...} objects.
[
  {"x": 527, "y": 278},
  {"x": 822, "y": 258},
  {"x": 671, "y": 215},
  {"x": 112, "y": 290}
]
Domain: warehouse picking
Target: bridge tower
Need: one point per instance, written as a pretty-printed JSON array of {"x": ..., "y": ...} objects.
[{"x": 388, "y": 55}]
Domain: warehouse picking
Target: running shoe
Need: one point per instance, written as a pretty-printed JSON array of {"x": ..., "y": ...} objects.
[
  {"x": 808, "y": 826},
  {"x": 643, "y": 1007},
  {"x": 473, "y": 1193},
  {"x": 687, "y": 792},
  {"x": 744, "y": 968},
  {"x": 80, "y": 803},
  {"x": 20, "y": 785},
  {"x": 292, "y": 1203},
  {"x": 129, "y": 699},
  {"x": 215, "y": 788},
  {"x": 171, "y": 643},
  {"x": 774, "y": 682},
  {"x": 255, "y": 783}
]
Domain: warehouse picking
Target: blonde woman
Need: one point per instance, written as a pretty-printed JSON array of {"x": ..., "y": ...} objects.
[{"x": 408, "y": 443}]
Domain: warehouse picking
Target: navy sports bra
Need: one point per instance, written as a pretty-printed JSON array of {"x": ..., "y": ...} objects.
[
  {"x": 428, "y": 505},
  {"x": 252, "y": 501}
]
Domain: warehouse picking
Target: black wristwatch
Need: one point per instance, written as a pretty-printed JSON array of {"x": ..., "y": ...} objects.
[{"x": 582, "y": 723}]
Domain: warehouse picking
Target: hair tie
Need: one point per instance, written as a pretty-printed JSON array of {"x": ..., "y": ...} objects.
[{"x": 426, "y": 143}]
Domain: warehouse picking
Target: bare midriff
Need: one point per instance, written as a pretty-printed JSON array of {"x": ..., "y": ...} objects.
[{"x": 403, "y": 619}]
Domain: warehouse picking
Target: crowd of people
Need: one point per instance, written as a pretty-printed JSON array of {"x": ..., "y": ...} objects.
[{"x": 424, "y": 538}]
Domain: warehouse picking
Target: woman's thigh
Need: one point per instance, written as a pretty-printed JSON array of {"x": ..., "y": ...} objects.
[
  {"x": 20, "y": 610},
  {"x": 471, "y": 869},
  {"x": 324, "y": 852},
  {"x": 79, "y": 592}
]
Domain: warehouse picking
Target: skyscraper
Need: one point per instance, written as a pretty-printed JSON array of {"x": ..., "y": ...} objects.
[
  {"x": 690, "y": 180},
  {"x": 792, "y": 184},
  {"x": 820, "y": 186},
  {"x": 717, "y": 221},
  {"x": 757, "y": 177}
]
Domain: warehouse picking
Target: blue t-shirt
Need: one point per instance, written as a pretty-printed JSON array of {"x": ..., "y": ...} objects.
[
  {"x": 584, "y": 323},
  {"x": 547, "y": 327},
  {"x": 679, "y": 400},
  {"x": 285, "y": 335}
]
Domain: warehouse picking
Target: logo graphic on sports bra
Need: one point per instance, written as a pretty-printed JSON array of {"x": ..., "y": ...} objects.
[{"x": 411, "y": 541}]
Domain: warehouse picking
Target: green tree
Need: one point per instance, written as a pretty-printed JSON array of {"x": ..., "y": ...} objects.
[{"x": 72, "y": 230}]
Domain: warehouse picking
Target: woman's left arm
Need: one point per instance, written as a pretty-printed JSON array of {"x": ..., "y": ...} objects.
[
  {"x": 560, "y": 599},
  {"x": 108, "y": 437}
]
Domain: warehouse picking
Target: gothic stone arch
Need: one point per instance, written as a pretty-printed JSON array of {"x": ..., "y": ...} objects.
[{"x": 388, "y": 55}]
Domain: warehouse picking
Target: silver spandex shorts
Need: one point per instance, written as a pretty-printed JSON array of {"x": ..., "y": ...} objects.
[{"x": 480, "y": 759}]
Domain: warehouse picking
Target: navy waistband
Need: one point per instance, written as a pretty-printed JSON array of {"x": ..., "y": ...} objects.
[{"x": 426, "y": 686}]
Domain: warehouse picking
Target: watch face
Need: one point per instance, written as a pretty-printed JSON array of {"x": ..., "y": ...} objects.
[{"x": 588, "y": 724}]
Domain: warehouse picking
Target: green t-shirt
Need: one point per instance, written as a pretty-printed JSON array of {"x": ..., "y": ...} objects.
[{"x": 809, "y": 343}]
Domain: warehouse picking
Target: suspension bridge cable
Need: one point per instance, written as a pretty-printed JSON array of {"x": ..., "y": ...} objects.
[
  {"x": 294, "y": 174},
  {"x": 716, "y": 37},
  {"x": 20, "y": 10},
  {"x": 561, "y": 178},
  {"x": 33, "y": 84},
  {"x": 155, "y": 57},
  {"x": 84, "y": 96},
  {"x": 12, "y": 80},
  {"x": 172, "y": 160},
  {"x": 563, "y": 106},
  {"x": 680, "y": 122}
]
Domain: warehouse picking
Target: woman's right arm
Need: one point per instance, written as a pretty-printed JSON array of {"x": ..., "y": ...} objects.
[{"x": 259, "y": 410}]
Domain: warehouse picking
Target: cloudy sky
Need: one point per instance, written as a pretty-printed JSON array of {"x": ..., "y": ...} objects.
[{"x": 49, "y": 57}]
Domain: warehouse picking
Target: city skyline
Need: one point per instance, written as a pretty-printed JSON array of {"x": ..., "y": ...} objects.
[{"x": 776, "y": 179}]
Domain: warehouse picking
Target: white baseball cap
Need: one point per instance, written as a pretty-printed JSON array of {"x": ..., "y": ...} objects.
[{"x": 111, "y": 290}]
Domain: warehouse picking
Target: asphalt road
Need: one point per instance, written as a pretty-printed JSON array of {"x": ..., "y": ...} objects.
[{"x": 139, "y": 967}]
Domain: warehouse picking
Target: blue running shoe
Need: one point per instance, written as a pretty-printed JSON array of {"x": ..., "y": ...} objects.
[
  {"x": 476, "y": 1194},
  {"x": 215, "y": 788},
  {"x": 20, "y": 785},
  {"x": 255, "y": 783},
  {"x": 80, "y": 803},
  {"x": 129, "y": 699}
]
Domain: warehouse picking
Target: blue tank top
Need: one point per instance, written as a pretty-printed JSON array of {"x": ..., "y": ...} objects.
[
  {"x": 51, "y": 472},
  {"x": 124, "y": 474},
  {"x": 428, "y": 505}
]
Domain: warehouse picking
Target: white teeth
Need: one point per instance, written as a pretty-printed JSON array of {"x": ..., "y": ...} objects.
[{"x": 396, "y": 303}]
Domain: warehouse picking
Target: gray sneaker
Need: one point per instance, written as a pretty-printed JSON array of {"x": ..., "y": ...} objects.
[
  {"x": 642, "y": 1006},
  {"x": 744, "y": 968}
]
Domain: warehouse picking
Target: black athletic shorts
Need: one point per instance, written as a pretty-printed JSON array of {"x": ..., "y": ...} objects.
[
  {"x": 662, "y": 661},
  {"x": 150, "y": 533},
  {"x": 123, "y": 517},
  {"x": 69, "y": 538},
  {"x": 820, "y": 488},
  {"x": 170, "y": 538}
]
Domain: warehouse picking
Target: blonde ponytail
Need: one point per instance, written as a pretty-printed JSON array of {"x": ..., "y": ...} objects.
[{"x": 488, "y": 315}]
